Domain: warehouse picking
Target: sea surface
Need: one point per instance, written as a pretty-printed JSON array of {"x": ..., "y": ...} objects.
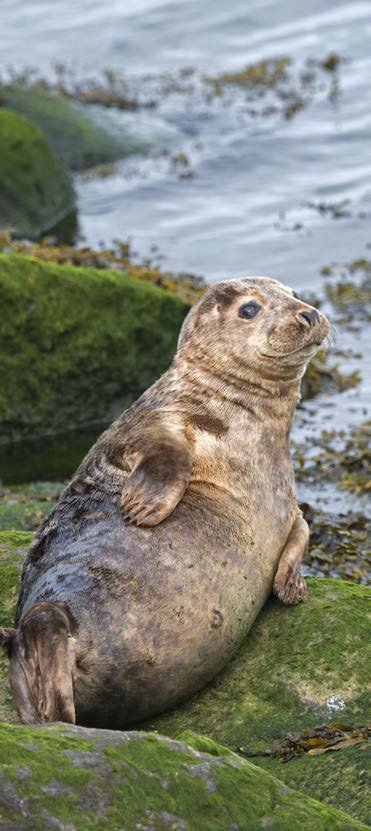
[{"x": 235, "y": 186}]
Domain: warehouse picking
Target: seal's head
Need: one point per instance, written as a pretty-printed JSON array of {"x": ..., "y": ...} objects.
[{"x": 253, "y": 324}]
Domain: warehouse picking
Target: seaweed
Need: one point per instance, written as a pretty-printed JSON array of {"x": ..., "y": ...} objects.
[
  {"x": 351, "y": 295},
  {"x": 265, "y": 73},
  {"x": 339, "y": 544},
  {"x": 288, "y": 86},
  {"x": 314, "y": 741},
  {"x": 351, "y": 300},
  {"x": 343, "y": 459},
  {"x": 321, "y": 376}
]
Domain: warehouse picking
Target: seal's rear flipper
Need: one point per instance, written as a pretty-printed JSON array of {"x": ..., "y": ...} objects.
[{"x": 42, "y": 664}]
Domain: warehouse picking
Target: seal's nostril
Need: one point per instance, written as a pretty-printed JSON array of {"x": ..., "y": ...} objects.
[{"x": 311, "y": 317}]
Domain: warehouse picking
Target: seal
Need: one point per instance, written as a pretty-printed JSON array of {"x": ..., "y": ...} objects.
[{"x": 151, "y": 568}]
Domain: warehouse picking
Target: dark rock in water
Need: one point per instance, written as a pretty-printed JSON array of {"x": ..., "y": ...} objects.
[
  {"x": 36, "y": 192},
  {"x": 77, "y": 343},
  {"x": 78, "y": 139},
  {"x": 74, "y": 778}
]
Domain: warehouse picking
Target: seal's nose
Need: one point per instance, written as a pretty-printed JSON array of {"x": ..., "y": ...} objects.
[{"x": 311, "y": 317}]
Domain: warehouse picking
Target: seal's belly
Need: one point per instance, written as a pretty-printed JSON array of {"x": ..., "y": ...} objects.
[{"x": 161, "y": 610}]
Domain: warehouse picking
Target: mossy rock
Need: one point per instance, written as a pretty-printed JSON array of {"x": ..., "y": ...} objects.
[
  {"x": 13, "y": 550},
  {"x": 294, "y": 661},
  {"x": 78, "y": 344},
  {"x": 296, "y": 666},
  {"x": 75, "y": 778},
  {"x": 73, "y": 136},
  {"x": 36, "y": 191},
  {"x": 24, "y": 507}
]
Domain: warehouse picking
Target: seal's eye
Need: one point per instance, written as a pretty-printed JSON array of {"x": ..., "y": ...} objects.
[{"x": 249, "y": 310}]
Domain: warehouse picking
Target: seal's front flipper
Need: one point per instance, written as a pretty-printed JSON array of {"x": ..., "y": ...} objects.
[
  {"x": 158, "y": 481},
  {"x": 42, "y": 663},
  {"x": 289, "y": 585}
]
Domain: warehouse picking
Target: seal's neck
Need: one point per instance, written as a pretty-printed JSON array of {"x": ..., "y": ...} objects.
[{"x": 208, "y": 387}]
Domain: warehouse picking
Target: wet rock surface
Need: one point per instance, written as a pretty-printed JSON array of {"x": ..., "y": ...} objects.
[
  {"x": 299, "y": 668},
  {"x": 81, "y": 138},
  {"x": 23, "y": 508},
  {"x": 74, "y": 778},
  {"x": 73, "y": 137},
  {"x": 36, "y": 192}
]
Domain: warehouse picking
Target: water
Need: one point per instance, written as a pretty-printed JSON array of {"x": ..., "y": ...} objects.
[
  {"x": 249, "y": 205},
  {"x": 245, "y": 208}
]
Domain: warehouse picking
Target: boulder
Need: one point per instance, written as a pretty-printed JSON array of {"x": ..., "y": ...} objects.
[
  {"x": 36, "y": 192},
  {"x": 13, "y": 549},
  {"x": 299, "y": 668},
  {"x": 24, "y": 507},
  {"x": 74, "y": 778},
  {"x": 78, "y": 344},
  {"x": 85, "y": 137}
]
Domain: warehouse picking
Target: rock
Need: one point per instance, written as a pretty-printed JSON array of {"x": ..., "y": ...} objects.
[
  {"x": 36, "y": 192},
  {"x": 13, "y": 549},
  {"x": 299, "y": 667},
  {"x": 82, "y": 137},
  {"x": 74, "y": 778},
  {"x": 78, "y": 344},
  {"x": 24, "y": 507}
]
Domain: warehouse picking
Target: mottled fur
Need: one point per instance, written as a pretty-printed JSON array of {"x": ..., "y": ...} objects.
[{"x": 165, "y": 544}]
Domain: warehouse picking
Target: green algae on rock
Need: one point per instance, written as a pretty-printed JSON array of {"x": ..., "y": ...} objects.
[
  {"x": 71, "y": 133},
  {"x": 298, "y": 668},
  {"x": 23, "y": 507},
  {"x": 188, "y": 287},
  {"x": 36, "y": 192},
  {"x": 78, "y": 344},
  {"x": 13, "y": 550},
  {"x": 320, "y": 376},
  {"x": 76, "y": 778}
]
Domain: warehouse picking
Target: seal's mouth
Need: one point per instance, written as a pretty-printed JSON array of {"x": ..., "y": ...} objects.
[
  {"x": 313, "y": 345},
  {"x": 311, "y": 340}
]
